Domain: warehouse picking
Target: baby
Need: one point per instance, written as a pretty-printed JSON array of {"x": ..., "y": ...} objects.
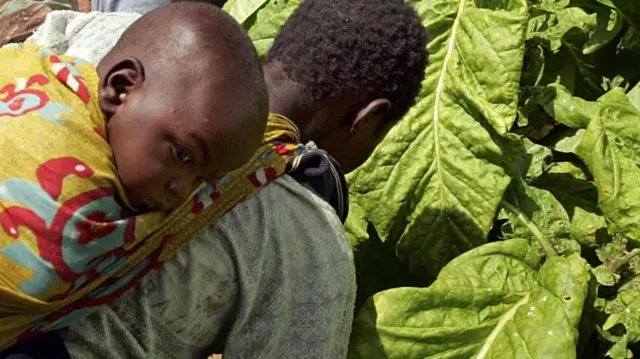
[
  {"x": 184, "y": 99},
  {"x": 93, "y": 160}
]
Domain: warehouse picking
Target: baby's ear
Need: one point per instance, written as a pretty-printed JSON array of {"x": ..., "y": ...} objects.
[{"x": 121, "y": 79}]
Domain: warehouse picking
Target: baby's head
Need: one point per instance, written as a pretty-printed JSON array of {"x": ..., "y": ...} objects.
[{"x": 185, "y": 100}]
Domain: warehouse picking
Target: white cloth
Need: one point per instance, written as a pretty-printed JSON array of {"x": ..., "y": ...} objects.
[
  {"x": 138, "y": 6},
  {"x": 88, "y": 36}
]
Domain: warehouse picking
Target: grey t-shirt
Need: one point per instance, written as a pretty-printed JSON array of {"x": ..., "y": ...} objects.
[{"x": 272, "y": 279}]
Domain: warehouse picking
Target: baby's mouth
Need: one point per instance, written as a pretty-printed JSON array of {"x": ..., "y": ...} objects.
[
  {"x": 157, "y": 206},
  {"x": 152, "y": 206}
]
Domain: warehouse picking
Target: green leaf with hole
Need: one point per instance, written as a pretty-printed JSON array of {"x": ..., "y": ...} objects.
[
  {"x": 610, "y": 148},
  {"x": 496, "y": 301}
]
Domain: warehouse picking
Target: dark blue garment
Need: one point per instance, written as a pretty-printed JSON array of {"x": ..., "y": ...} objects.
[
  {"x": 320, "y": 173},
  {"x": 45, "y": 346}
]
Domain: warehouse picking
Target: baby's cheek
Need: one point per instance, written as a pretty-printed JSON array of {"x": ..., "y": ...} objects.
[
  {"x": 138, "y": 164},
  {"x": 137, "y": 175}
]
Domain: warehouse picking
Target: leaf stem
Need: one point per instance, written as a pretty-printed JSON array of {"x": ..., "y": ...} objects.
[
  {"x": 542, "y": 239},
  {"x": 625, "y": 259}
]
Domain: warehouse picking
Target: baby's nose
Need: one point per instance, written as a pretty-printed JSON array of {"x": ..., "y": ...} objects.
[{"x": 179, "y": 187}]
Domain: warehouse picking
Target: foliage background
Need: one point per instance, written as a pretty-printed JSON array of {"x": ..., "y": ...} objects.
[{"x": 501, "y": 217}]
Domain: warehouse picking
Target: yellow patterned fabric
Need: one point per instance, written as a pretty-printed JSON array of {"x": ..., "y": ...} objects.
[{"x": 68, "y": 241}]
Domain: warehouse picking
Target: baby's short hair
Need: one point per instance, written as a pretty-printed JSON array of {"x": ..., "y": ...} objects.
[{"x": 212, "y": 32}]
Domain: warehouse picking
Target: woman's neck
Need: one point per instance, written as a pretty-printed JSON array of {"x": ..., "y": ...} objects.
[{"x": 288, "y": 98}]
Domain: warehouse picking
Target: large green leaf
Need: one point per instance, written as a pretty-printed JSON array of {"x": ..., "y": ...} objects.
[
  {"x": 267, "y": 22},
  {"x": 569, "y": 110},
  {"x": 622, "y": 120},
  {"x": 434, "y": 183},
  {"x": 608, "y": 27},
  {"x": 533, "y": 123},
  {"x": 536, "y": 215},
  {"x": 634, "y": 96},
  {"x": 547, "y": 205},
  {"x": 496, "y": 301},
  {"x": 610, "y": 148},
  {"x": 378, "y": 268},
  {"x": 538, "y": 162},
  {"x": 573, "y": 34},
  {"x": 579, "y": 197},
  {"x": 630, "y": 40},
  {"x": 588, "y": 74},
  {"x": 241, "y": 10},
  {"x": 552, "y": 27},
  {"x": 625, "y": 310},
  {"x": 356, "y": 226},
  {"x": 550, "y": 5},
  {"x": 622, "y": 326},
  {"x": 631, "y": 11},
  {"x": 564, "y": 140},
  {"x": 609, "y": 23}
]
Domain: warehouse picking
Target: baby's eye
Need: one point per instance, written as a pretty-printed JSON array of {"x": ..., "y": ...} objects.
[{"x": 181, "y": 154}]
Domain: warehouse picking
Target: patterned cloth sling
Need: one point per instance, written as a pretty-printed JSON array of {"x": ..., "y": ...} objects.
[{"x": 68, "y": 241}]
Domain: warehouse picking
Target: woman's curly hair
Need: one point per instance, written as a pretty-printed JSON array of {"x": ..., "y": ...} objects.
[{"x": 340, "y": 47}]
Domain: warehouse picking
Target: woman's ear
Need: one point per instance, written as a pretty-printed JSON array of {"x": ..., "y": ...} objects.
[
  {"x": 121, "y": 79},
  {"x": 371, "y": 115}
]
